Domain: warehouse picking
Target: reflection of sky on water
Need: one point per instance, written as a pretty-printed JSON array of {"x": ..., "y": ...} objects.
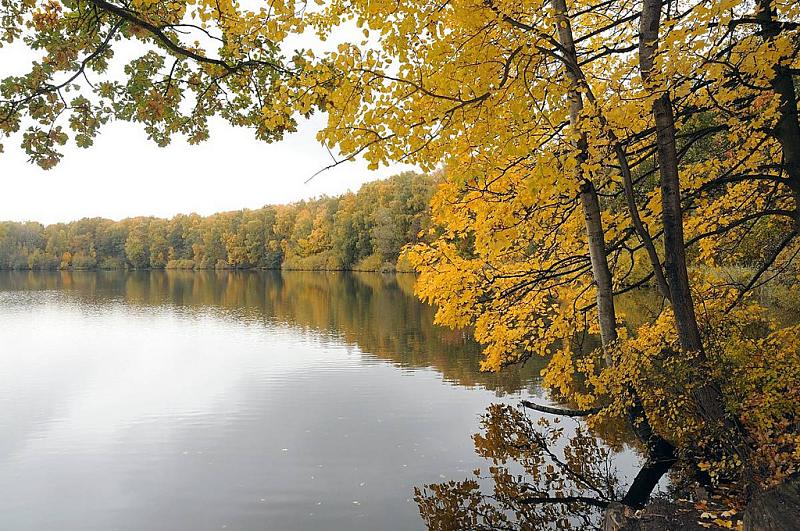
[{"x": 119, "y": 416}]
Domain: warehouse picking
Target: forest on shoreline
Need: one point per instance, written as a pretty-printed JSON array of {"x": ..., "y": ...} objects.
[{"x": 363, "y": 231}]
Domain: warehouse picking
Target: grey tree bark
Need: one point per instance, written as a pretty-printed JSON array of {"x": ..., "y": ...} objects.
[
  {"x": 656, "y": 445},
  {"x": 787, "y": 130},
  {"x": 672, "y": 215},
  {"x": 707, "y": 397},
  {"x": 588, "y": 193}
]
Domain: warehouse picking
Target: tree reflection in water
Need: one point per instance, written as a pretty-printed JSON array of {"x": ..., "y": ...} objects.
[{"x": 542, "y": 476}]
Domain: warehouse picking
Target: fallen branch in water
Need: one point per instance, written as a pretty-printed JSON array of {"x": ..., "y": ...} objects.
[{"x": 565, "y": 412}]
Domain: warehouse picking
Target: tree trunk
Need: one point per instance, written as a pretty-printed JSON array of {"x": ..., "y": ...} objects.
[
  {"x": 776, "y": 509},
  {"x": 787, "y": 131},
  {"x": 591, "y": 206},
  {"x": 672, "y": 215},
  {"x": 707, "y": 397},
  {"x": 788, "y": 134},
  {"x": 661, "y": 449},
  {"x": 600, "y": 271}
]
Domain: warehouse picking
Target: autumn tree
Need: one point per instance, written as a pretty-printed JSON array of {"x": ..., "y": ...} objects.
[
  {"x": 136, "y": 249},
  {"x": 570, "y": 135}
]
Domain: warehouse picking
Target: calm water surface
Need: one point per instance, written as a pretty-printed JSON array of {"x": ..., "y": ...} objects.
[{"x": 179, "y": 400}]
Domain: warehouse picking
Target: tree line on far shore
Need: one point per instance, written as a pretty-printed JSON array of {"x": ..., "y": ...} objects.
[{"x": 364, "y": 231}]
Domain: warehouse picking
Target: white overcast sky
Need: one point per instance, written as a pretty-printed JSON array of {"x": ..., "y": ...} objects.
[{"x": 124, "y": 174}]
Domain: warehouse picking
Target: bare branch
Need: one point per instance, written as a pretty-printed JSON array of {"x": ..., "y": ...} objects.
[{"x": 564, "y": 412}]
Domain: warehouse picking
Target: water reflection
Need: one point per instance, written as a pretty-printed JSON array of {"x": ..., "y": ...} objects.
[
  {"x": 543, "y": 475},
  {"x": 234, "y": 401},
  {"x": 292, "y": 401},
  {"x": 377, "y": 313}
]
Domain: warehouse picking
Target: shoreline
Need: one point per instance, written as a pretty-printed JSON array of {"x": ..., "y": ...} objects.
[{"x": 207, "y": 269}]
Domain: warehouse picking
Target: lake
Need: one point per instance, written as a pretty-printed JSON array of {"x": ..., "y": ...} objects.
[{"x": 232, "y": 400}]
